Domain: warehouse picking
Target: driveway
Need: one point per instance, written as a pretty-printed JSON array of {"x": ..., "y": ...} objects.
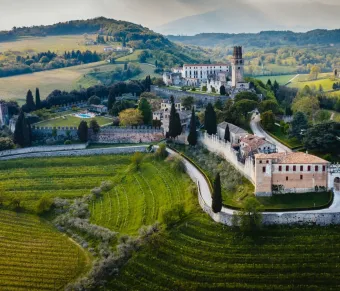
[{"x": 258, "y": 130}]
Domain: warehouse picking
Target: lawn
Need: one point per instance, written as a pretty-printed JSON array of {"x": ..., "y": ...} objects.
[
  {"x": 67, "y": 79},
  {"x": 72, "y": 121},
  {"x": 34, "y": 256},
  {"x": 281, "y": 79},
  {"x": 293, "y": 201},
  {"x": 58, "y": 44},
  {"x": 323, "y": 79},
  {"x": 134, "y": 57},
  {"x": 277, "y": 133}
]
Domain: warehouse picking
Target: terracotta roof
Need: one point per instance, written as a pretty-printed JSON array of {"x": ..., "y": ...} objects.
[
  {"x": 253, "y": 142},
  {"x": 293, "y": 158},
  {"x": 232, "y": 128}
]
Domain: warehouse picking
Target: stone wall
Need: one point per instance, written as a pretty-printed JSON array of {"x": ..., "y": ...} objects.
[
  {"x": 42, "y": 149},
  {"x": 40, "y": 132},
  {"x": 113, "y": 134},
  {"x": 204, "y": 98},
  {"x": 215, "y": 145}
]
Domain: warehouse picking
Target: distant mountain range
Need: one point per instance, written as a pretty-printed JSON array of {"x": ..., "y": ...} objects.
[{"x": 245, "y": 17}]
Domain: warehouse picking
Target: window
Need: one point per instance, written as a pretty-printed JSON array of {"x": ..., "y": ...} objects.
[
  {"x": 263, "y": 169},
  {"x": 267, "y": 162},
  {"x": 287, "y": 168},
  {"x": 286, "y": 178},
  {"x": 323, "y": 168},
  {"x": 294, "y": 168},
  {"x": 316, "y": 168},
  {"x": 280, "y": 168},
  {"x": 301, "y": 168},
  {"x": 301, "y": 177},
  {"x": 309, "y": 168},
  {"x": 260, "y": 162}
]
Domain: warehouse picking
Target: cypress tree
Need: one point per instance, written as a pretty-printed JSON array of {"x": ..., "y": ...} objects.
[
  {"x": 210, "y": 122},
  {"x": 192, "y": 137},
  {"x": 217, "y": 195},
  {"x": 22, "y": 133},
  {"x": 172, "y": 121},
  {"x": 227, "y": 134},
  {"x": 30, "y": 106},
  {"x": 83, "y": 131},
  {"x": 178, "y": 125},
  {"x": 37, "y": 98},
  {"x": 112, "y": 99}
]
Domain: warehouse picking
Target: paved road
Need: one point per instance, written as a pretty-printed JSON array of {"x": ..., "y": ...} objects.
[{"x": 257, "y": 130}]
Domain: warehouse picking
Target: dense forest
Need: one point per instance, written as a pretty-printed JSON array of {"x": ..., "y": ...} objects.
[{"x": 262, "y": 39}]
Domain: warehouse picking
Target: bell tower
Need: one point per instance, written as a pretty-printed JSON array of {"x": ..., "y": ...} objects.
[{"x": 237, "y": 64}]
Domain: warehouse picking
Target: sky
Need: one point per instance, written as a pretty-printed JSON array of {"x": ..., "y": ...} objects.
[{"x": 149, "y": 13}]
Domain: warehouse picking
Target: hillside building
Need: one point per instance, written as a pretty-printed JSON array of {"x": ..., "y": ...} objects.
[
  {"x": 289, "y": 173},
  {"x": 253, "y": 144},
  {"x": 236, "y": 133}
]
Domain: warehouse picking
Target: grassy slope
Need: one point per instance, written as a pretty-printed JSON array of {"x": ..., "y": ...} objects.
[
  {"x": 323, "y": 79},
  {"x": 34, "y": 256},
  {"x": 73, "y": 121},
  {"x": 281, "y": 79},
  {"x": 291, "y": 142},
  {"x": 62, "y": 79},
  {"x": 58, "y": 44}
]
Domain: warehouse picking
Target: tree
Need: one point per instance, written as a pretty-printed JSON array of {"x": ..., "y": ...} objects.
[
  {"x": 111, "y": 100},
  {"x": 298, "y": 125},
  {"x": 54, "y": 132},
  {"x": 37, "y": 99},
  {"x": 227, "y": 134},
  {"x": 268, "y": 105},
  {"x": 172, "y": 119},
  {"x": 217, "y": 195},
  {"x": 218, "y": 104},
  {"x": 94, "y": 126},
  {"x": 308, "y": 105},
  {"x": 94, "y": 100},
  {"x": 145, "y": 109},
  {"x": 210, "y": 122},
  {"x": 147, "y": 83},
  {"x": 177, "y": 125},
  {"x": 136, "y": 160},
  {"x": 30, "y": 106},
  {"x": 314, "y": 72},
  {"x": 22, "y": 134},
  {"x": 44, "y": 204},
  {"x": 222, "y": 90},
  {"x": 268, "y": 120},
  {"x": 192, "y": 137},
  {"x": 269, "y": 84},
  {"x": 125, "y": 66},
  {"x": 83, "y": 131},
  {"x": 323, "y": 137},
  {"x": 245, "y": 106},
  {"x": 6, "y": 143},
  {"x": 188, "y": 102},
  {"x": 250, "y": 217},
  {"x": 130, "y": 117},
  {"x": 246, "y": 96}
]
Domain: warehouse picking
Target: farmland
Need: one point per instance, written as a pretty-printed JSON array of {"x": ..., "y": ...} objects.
[
  {"x": 58, "y": 44},
  {"x": 67, "y": 79},
  {"x": 34, "y": 256},
  {"x": 199, "y": 254},
  {"x": 73, "y": 121},
  {"x": 281, "y": 79}
]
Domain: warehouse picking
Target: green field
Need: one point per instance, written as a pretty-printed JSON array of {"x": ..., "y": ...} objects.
[
  {"x": 281, "y": 79},
  {"x": 73, "y": 121},
  {"x": 34, "y": 256},
  {"x": 134, "y": 57},
  {"x": 58, "y": 44},
  {"x": 67, "y": 79}
]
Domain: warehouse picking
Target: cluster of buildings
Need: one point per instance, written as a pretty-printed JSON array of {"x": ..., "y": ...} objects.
[
  {"x": 211, "y": 77},
  {"x": 274, "y": 172}
]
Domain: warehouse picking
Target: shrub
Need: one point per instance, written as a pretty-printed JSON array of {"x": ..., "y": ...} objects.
[
  {"x": 6, "y": 143},
  {"x": 96, "y": 191},
  {"x": 67, "y": 142},
  {"x": 106, "y": 186},
  {"x": 173, "y": 216},
  {"x": 177, "y": 164},
  {"x": 161, "y": 152},
  {"x": 44, "y": 204},
  {"x": 136, "y": 160}
]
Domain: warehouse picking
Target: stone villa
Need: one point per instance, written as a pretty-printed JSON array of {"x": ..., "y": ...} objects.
[{"x": 289, "y": 173}]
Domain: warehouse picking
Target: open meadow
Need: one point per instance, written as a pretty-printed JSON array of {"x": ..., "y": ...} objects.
[
  {"x": 58, "y": 44},
  {"x": 281, "y": 79},
  {"x": 16, "y": 87}
]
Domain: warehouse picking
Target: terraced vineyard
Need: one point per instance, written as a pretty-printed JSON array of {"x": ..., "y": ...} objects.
[
  {"x": 69, "y": 177},
  {"x": 202, "y": 255},
  {"x": 140, "y": 198},
  {"x": 34, "y": 256}
]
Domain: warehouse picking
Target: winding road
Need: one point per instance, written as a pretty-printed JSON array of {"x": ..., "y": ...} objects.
[{"x": 255, "y": 126}]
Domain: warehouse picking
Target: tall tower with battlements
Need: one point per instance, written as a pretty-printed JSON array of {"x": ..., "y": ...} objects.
[{"x": 237, "y": 64}]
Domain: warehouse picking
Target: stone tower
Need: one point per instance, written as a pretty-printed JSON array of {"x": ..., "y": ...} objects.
[{"x": 237, "y": 63}]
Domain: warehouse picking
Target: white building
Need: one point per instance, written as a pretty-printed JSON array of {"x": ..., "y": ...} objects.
[
  {"x": 252, "y": 144},
  {"x": 108, "y": 49},
  {"x": 166, "y": 106},
  {"x": 236, "y": 133},
  {"x": 202, "y": 72}
]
